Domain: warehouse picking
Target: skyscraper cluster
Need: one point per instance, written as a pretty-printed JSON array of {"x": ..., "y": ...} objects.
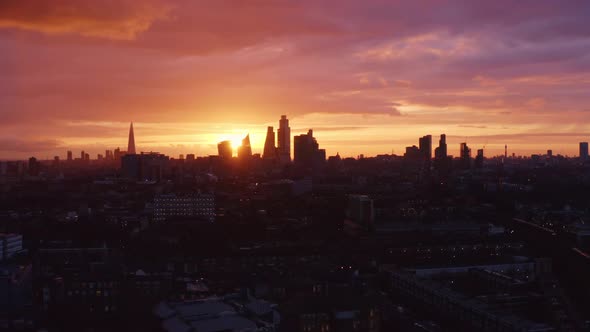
[{"x": 272, "y": 152}]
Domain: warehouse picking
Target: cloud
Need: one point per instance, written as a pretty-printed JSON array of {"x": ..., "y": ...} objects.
[
  {"x": 18, "y": 145},
  {"x": 111, "y": 19}
]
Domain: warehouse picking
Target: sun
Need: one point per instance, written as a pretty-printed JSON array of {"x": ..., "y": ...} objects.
[
  {"x": 236, "y": 142},
  {"x": 234, "y": 138}
]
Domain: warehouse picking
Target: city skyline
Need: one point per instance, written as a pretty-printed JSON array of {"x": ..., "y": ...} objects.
[
  {"x": 374, "y": 72},
  {"x": 236, "y": 141}
]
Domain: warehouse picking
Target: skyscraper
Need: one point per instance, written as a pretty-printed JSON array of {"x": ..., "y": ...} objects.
[
  {"x": 270, "y": 151},
  {"x": 441, "y": 151},
  {"x": 224, "y": 150},
  {"x": 465, "y": 155},
  {"x": 284, "y": 140},
  {"x": 307, "y": 151},
  {"x": 583, "y": 150},
  {"x": 479, "y": 159},
  {"x": 69, "y": 155},
  {"x": 131, "y": 144},
  {"x": 425, "y": 144},
  {"x": 245, "y": 151}
]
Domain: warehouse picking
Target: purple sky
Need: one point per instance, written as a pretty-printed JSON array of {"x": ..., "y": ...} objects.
[{"x": 369, "y": 76}]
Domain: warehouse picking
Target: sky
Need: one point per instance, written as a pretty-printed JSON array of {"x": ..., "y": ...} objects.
[{"x": 368, "y": 76}]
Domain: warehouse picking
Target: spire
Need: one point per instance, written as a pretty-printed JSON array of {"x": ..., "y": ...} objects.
[{"x": 131, "y": 144}]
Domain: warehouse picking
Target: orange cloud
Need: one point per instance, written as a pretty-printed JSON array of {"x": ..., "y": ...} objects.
[{"x": 119, "y": 20}]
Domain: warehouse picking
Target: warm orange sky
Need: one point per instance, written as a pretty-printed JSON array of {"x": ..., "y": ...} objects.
[{"x": 368, "y": 76}]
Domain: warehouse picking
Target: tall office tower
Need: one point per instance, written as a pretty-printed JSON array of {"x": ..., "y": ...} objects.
[
  {"x": 108, "y": 154},
  {"x": 549, "y": 153},
  {"x": 425, "y": 144},
  {"x": 307, "y": 151},
  {"x": 131, "y": 143},
  {"x": 479, "y": 159},
  {"x": 270, "y": 150},
  {"x": 465, "y": 155},
  {"x": 245, "y": 151},
  {"x": 284, "y": 140},
  {"x": 441, "y": 151},
  {"x": 82, "y": 155},
  {"x": 583, "y": 150},
  {"x": 224, "y": 150},
  {"x": 465, "y": 151},
  {"x": 505, "y": 151},
  {"x": 69, "y": 155}
]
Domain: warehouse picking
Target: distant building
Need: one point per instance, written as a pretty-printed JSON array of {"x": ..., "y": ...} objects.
[
  {"x": 118, "y": 154},
  {"x": 270, "y": 150},
  {"x": 425, "y": 145},
  {"x": 479, "y": 159},
  {"x": 413, "y": 153},
  {"x": 361, "y": 211},
  {"x": 190, "y": 157},
  {"x": 307, "y": 152},
  {"x": 131, "y": 142},
  {"x": 245, "y": 150},
  {"x": 10, "y": 245},
  {"x": 69, "y": 156},
  {"x": 584, "y": 150},
  {"x": 144, "y": 166},
  {"x": 224, "y": 150},
  {"x": 549, "y": 153},
  {"x": 441, "y": 151},
  {"x": 34, "y": 166},
  {"x": 201, "y": 206},
  {"x": 284, "y": 140},
  {"x": 465, "y": 155}
]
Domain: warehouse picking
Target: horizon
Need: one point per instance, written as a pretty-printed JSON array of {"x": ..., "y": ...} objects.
[{"x": 258, "y": 143}]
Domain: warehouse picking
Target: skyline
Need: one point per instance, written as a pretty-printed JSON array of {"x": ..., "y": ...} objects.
[
  {"x": 236, "y": 142},
  {"x": 368, "y": 77}
]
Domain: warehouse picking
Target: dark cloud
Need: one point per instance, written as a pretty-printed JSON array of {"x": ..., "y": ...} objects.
[
  {"x": 19, "y": 145},
  {"x": 111, "y": 19}
]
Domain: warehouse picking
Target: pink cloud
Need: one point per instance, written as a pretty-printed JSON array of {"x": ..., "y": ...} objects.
[{"x": 106, "y": 19}]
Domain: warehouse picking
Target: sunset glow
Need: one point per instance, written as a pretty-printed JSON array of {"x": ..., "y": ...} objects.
[{"x": 368, "y": 76}]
